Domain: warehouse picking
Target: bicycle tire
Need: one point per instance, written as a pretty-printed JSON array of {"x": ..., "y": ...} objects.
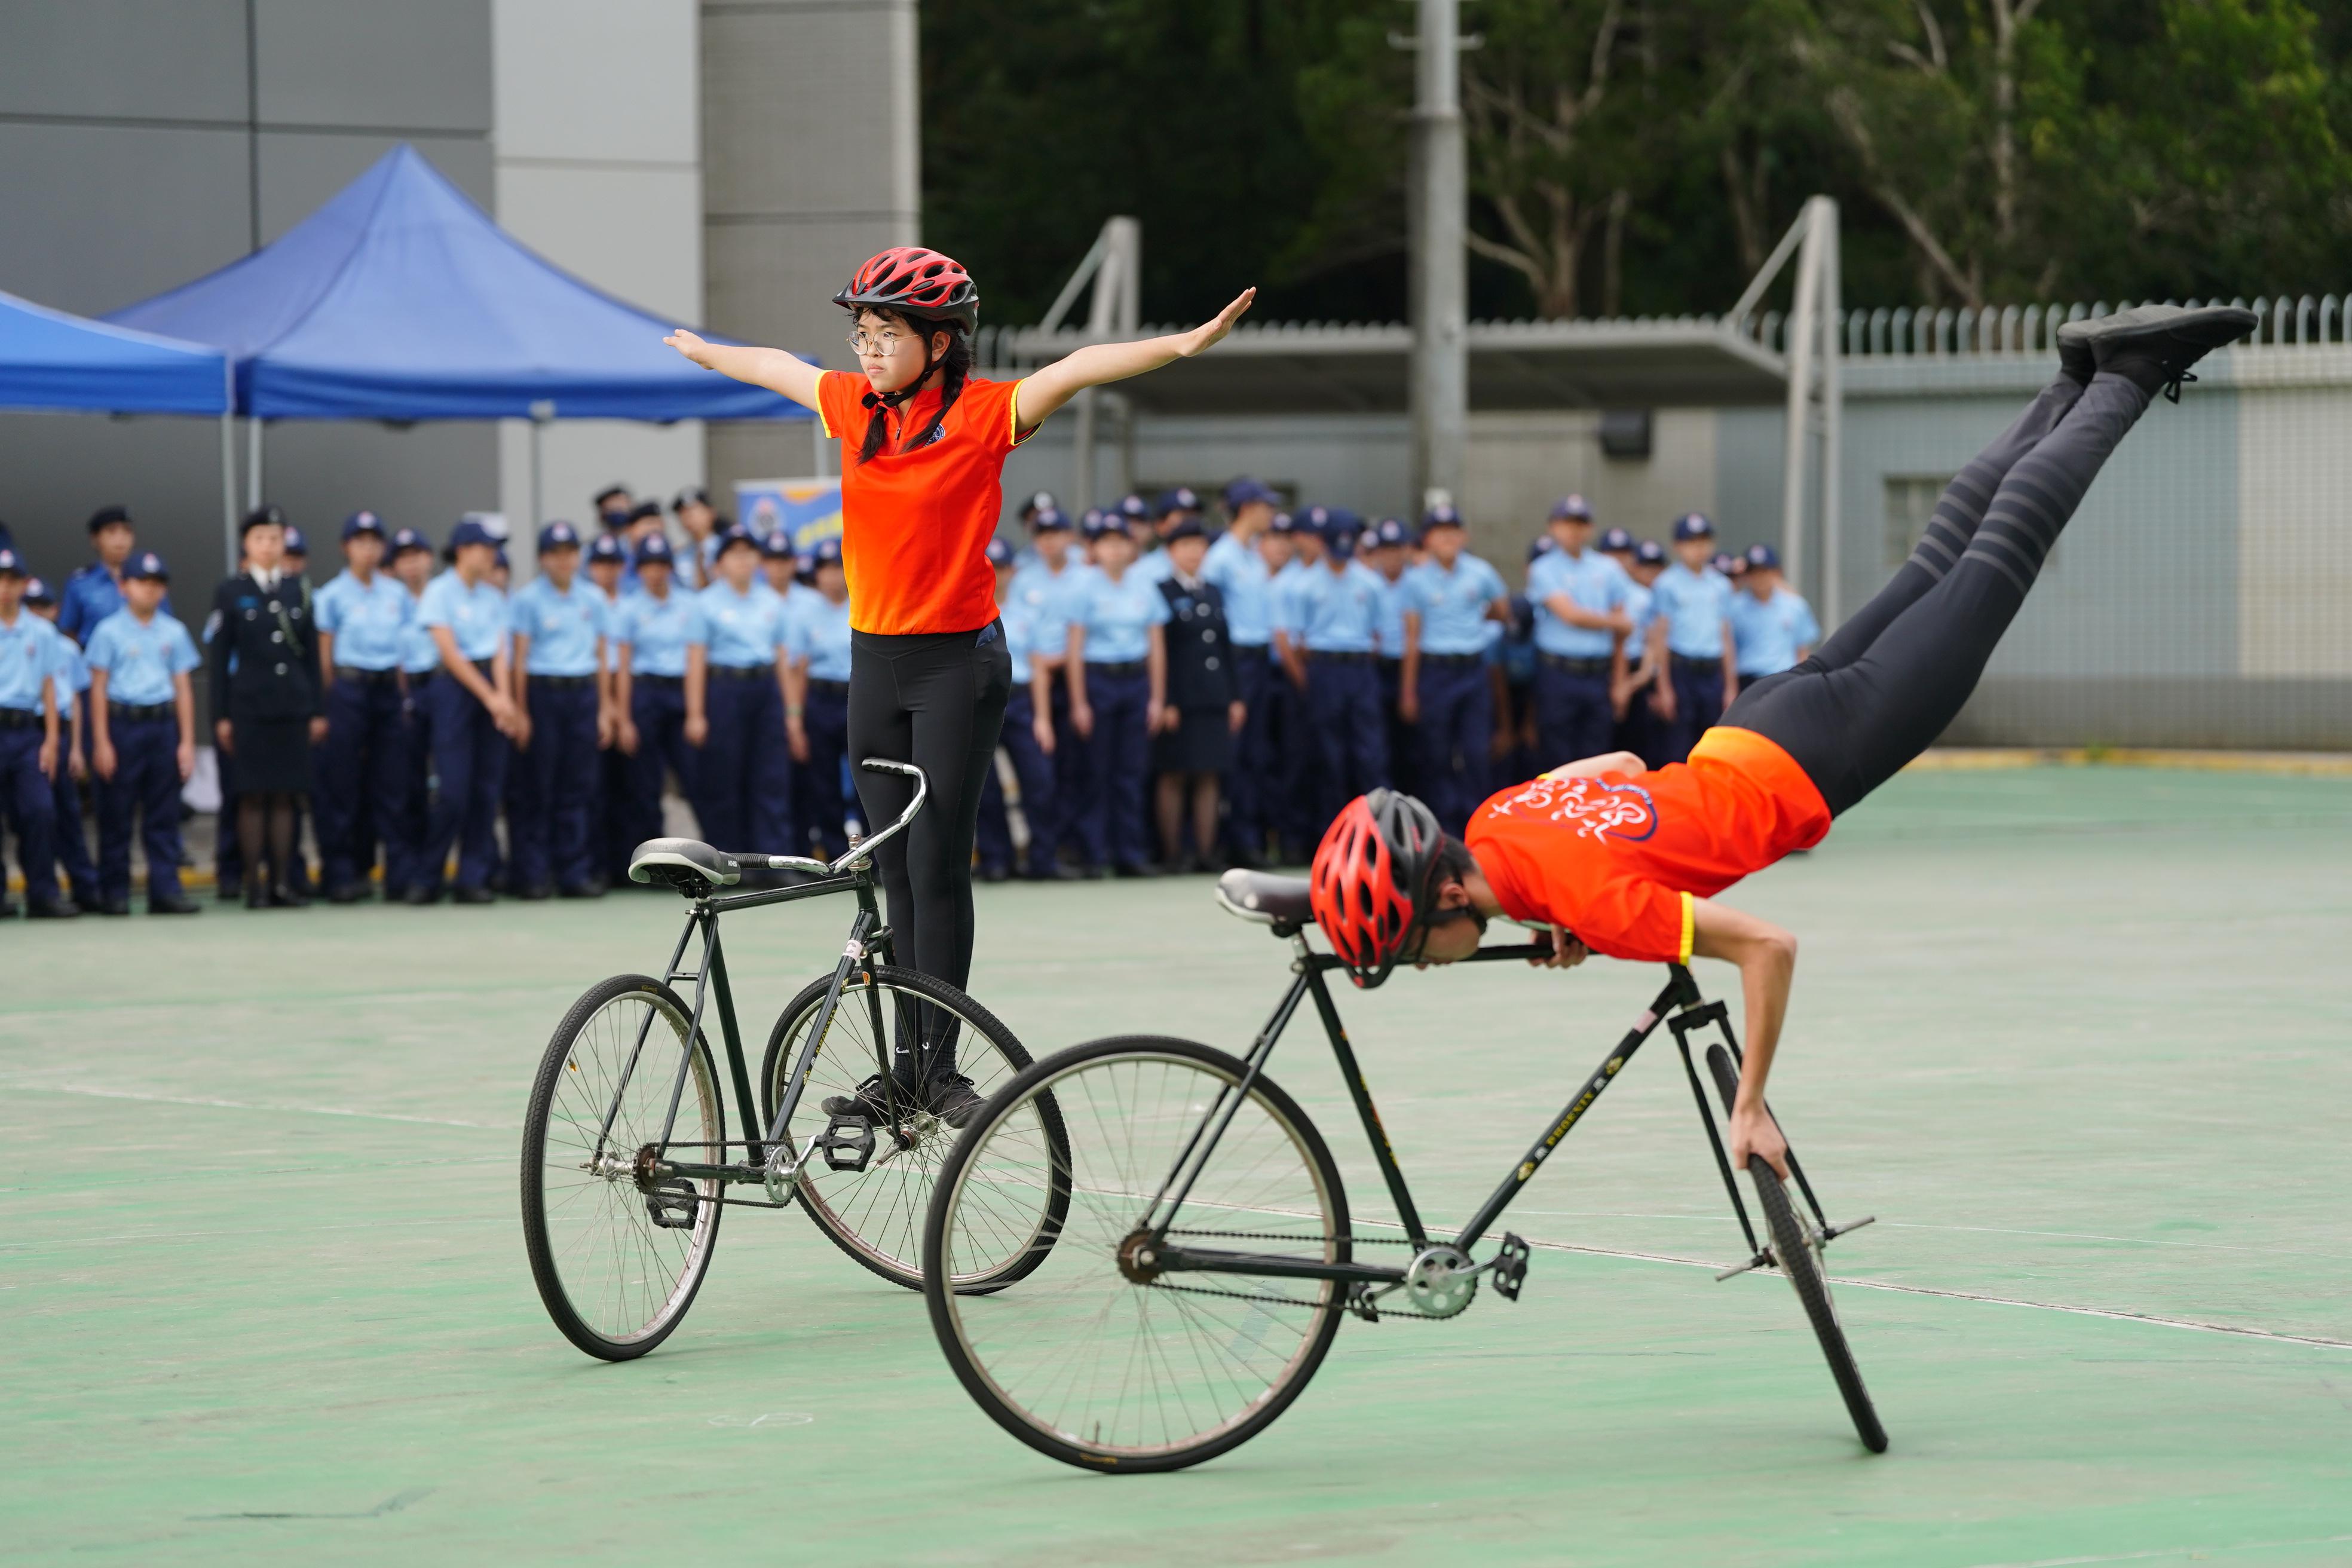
[
  {"x": 560, "y": 1075},
  {"x": 1076, "y": 1250},
  {"x": 883, "y": 1233},
  {"x": 1797, "y": 1250}
]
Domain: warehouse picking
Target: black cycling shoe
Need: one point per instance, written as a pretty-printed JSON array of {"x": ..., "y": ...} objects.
[
  {"x": 869, "y": 1102},
  {"x": 951, "y": 1097},
  {"x": 2153, "y": 346}
]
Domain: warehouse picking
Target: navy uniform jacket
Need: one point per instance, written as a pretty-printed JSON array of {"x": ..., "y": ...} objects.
[
  {"x": 265, "y": 650},
  {"x": 1200, "y": 671}
]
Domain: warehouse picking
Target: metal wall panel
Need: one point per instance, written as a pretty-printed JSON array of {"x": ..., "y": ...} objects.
[
  {"x": 100, "y": 217},
  {"x": 142, "y": 59},
  {"x": 597, "y": 82},
  {"x": 413, "y": 65}
]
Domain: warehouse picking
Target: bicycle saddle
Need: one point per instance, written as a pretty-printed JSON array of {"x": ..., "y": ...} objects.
[
  {"x": 1265, "y": 897},
  {"x": 675, "y": 862}
]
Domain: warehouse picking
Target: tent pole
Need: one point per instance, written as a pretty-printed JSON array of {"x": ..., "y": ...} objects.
[
  {"x": 228, "y": 486},
  {"x": 253, "y": 464},
  {"x": 538, "y": 427}
]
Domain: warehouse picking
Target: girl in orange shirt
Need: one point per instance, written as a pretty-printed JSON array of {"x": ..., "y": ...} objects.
[{"x": 924, "y": 443}]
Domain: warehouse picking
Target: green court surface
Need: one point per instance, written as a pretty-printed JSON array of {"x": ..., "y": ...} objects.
[{"x": 2082, "y": 1039}]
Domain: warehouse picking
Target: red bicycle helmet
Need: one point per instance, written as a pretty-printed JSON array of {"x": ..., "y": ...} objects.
[
  {"x": 1370, "y": 884},
  {"x": 916, "y": 282}
]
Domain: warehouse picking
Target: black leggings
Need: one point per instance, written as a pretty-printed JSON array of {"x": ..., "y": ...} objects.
[
  {"x": 1879, "y": 690},
  {"x": 937, "y": 701}
]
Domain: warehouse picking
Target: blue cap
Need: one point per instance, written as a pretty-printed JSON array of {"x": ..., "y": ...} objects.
[
  {"x": 1649, "y": 553},
  {"x": 1244, "y": 491},
  {"x": 1693, "y": 525},
  {"x": 1187, "y": 525},
  {"x": 1042, "y": 501},
  {"x": 558, "y": 535},
  {"x": 1048, "y": 517},
  {"x": 361, "y": 522},
  {"x": 1616, "y": 542},
  {"x": 1283, "y": 524},
  {"x": 1181, "y": 498},
  {"x": 499, "y": 558},
  {"x": 1099, "y": 523},
  {"x": 1540, "y": 546},
  {"x": 1391, "y": 530},
  {"x": 1316, "y": 520},
  {"x": 144, "y": 563},
  {"x": 1345, "y": 521},
  {"x": 12, "y": 563},
  {"x": 1763, "y": 558},
  {"x": 1341, "y": 544},
  {"x": 1090, "y": 520},
  {"x": 1725, "y": 561},
  {"x": 295, "y": 544},
  {"x": 825, "y": 552},
  {"x": 779, "y": 546},
  {"x": 1572, "y": 508},
  {"x": 735, "y": 535},
  {"x": 407, "y": 540},
  {"x": 1134, "y": 509},
  {"x": 653, "y": 550},
  {"x": 37, "y": 590},
  {"x": 1441, "y": 517},
  {"x": 467, "y": 532},
  {"x": 999, "y": 554},
  {"x": 608, "y": 547}
]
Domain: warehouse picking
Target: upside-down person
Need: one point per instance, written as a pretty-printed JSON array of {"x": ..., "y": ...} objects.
[
  {"x": 1625, "y": 862},
  {"x": 924, "y": 444}
]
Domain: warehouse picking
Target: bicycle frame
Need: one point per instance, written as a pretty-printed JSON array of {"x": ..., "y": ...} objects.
[{"x": 1680, "y": 998}]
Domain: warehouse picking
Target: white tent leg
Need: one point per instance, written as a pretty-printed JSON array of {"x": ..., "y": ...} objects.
[
  {"x": 252, "y": 464},
  {"x": 228, "y": 487}
]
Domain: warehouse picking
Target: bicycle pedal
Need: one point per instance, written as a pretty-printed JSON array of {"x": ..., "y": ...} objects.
[
  {"x": 1510, "y": 1267},
  {"x": 848, "y": 1143},
  {"x": 672, "y": 1205},
  {"x": 1360, "y": 1301}
]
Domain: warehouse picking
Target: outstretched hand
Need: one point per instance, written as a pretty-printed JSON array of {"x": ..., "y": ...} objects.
[
  {"x": 1753, "y": 1132},
  {"x": 1206, "y": 336},
  {"x": 691, "y": 346}
]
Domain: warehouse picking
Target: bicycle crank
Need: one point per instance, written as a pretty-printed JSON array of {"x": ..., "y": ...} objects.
[{"x": 1440, "y": 1282}]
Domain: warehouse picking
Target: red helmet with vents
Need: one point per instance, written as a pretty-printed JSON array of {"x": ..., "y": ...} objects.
[
  {"x": 1370, "y": 885},
  {"x": 916, "y": 282}
]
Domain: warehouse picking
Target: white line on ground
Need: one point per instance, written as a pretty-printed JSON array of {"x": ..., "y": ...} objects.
[
  {"x": 249, "y": 1105},
  {"x": 2189, "y": 1551}
]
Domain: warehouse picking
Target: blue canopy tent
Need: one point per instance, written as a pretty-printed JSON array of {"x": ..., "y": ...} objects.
[{"x": 400, "y": 300}]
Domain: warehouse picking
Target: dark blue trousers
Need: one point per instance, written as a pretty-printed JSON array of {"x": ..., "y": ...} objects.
[
  {"x": 26, "y": 791},
  {"x": 745, "y": 772},
  {"x": 823, "y": 806},
  {"x": 404, "y": 852},
  {"x": 1248, "y": 783},
  {"x": 1034, "y": 769},
  {"x": 1698, "y": 705},
  {"x": 1297, "y": 770},
  {"x": 363, "y": 780},
  {"x": 1119, "y": 761},
  {"x": 1072, "y": 766},
  {"x": 658, "y": 708},
  {"x": 562, "y": 773},
  {"x": 1403, "y": 739},
  {"x": 69, "y": 840},
  {"x": 1349, "y": 734},
  {"x": 469, "y": 765},
  {"x": 1457, "y": 729},
  {"x": 1572, "y": 716},
  {"x": 146, "y": 782}
]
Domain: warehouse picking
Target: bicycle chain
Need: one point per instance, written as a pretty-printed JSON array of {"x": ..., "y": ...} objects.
[{"x": 1345, "y": 1306}]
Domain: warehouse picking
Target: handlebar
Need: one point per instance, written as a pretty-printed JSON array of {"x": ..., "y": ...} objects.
[{"x": 858, "y": 851}]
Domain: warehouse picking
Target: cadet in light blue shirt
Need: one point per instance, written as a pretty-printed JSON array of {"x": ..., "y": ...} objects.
[
  {"x": 1772, "y": 625},
  {"x": 1119, "y": 681},
  {"x": 412, "y": 562},
  {"x": 70, "y": 673},
  {"x": 1454, "y": 603},
  {"x": 1241, "y": 563},
  {"x": 1335, "y": 605},
  {"x": 820, "y": 731},
  {"x": 1386, "y": 546},
  {"x": 144, "y": 739},
  {"x": 650, "y": 632},
  {"x": 31, "y": 717},
  {"x": 1692, "y": 603},
  {"x": 475, "y": 613},
  {"x": 365, "y": 616},
  {"x": 1334, "y": 609},
  {"x": 559, "y": 619},
  {"x": 735, "y": 699},
  {"x": 1027, "y": 740},
  {"x": 1579, "y": 597},
  {"x": 470, "y": 713}
]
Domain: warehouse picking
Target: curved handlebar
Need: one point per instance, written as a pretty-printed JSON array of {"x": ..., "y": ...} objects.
[{"x": 860, "y": 850}]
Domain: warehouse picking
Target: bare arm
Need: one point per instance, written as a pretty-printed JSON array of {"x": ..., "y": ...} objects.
[
  {"x": 775, "y": 369},
  {"x": 1767, "y": 957},
  {"x": 1155, "y": 664},
  {"x": 184, "y": 709},
  {"x": 1043, "y": 391},
  {"x": 1409, "y": 671},
  {"x": 1576, "y": 615},
  {"x": 1624, "y": 763}
]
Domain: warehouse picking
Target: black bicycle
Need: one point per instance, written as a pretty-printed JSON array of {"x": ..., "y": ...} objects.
[
  {"x": 625, "y": 1149},
  {"x": 1206, "y": 1258}
]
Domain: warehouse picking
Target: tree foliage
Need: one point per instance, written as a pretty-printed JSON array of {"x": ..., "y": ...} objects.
[{"x": 1641, "y": 156}]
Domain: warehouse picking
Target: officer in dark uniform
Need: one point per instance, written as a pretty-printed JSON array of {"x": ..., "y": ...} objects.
[
  {"x": 267, "y": 707},
  {"x": 1203, "y": 711}
]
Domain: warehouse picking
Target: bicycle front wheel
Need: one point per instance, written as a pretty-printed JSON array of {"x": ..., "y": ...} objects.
[
  {"x": 873, "y": 1207},
  {"x": 618, "y": 1255},
  {"x": 1098, "y": 1362}
]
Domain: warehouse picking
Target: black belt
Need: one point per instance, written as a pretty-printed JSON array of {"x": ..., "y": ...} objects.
[
  {"x": 1390, "y": 660},
  {"x": 1687, "y": 661},
  {"x": 562, "y": 682},
  {"x": 1127, "y": 666},
  {"x": 17, "y": 719},
  {"x": 366, "y": 676},
  {"x": 665, "y": 680},
  {"x": 417, "y": 678},
  {"x": 828, "y": 687},
  {"x": 140, "y": 713},
  {"x": 1561, "y": 662},
  {"x": 742, "y": 672},
  {"x": 1451, "y": 661},
  {"x": 1338, "y": 658}
]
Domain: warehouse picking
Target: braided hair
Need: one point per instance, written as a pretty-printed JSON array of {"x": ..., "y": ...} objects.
[{"x": 953, "y": 363}]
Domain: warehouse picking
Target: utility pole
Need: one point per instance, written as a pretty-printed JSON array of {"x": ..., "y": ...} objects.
[{"x": 1439, "y": 398}]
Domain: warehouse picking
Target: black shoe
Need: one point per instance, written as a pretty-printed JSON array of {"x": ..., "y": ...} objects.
[
  {"x": 347, "y": 892},
  {"x": 996, "y": 873},
  {"x": 1131, "y": 872},
  {"x": 500, "y": 883},
  {"x": 472, "y": 896},
  {"x": 534, "y": 892},
  {"x": 229, "y": 890},
  {"x": 869, "y": 1102},
  {"x": 580, "y": 891},
  {"x": 50, "y": 909},
  {"x": 179, "y": 906},
  {"x": 256, "y": 897},
  {"x": 114, "y": 906},
  {"x": 1243, "y": 860},
  {"x": 420, "y": 895},
  {"x": 599, "y": 886},
  {"x": 951, "y": 1099},
  {"x": 290, "y": 897},
  {"x": 1060, "y": 873},
  {"x": 2153, "y": 346}
]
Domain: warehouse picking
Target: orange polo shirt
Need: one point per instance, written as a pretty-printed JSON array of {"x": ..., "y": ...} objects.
[
  {"x": 1617, "y": 861},
  {"x": 914, "y": 524}
]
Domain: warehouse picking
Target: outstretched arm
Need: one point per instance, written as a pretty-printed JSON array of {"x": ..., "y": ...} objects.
[
  {"x": 1767, "y": 957},
  {"x": 772, "y": 368},
  {"x": 1047, "y": 390},
  {"x": 1621, "y": 763}
]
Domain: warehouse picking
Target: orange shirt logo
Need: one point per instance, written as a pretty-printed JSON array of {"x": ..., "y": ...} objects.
[{"x": 1591, "y": 808}]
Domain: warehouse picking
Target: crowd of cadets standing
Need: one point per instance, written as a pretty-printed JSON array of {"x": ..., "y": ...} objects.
[{"x": 1181, "y": 701}]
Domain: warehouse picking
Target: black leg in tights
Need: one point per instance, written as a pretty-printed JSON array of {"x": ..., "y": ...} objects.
[
  {"x": 1878, "y": 692},
  {"x": 936, "y": 702}
]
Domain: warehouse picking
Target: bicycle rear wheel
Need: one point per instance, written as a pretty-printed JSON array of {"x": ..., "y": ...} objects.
[
  {"x": 874, "y": 1212},
  {"x": 618, "y": 1258},
  {"x": 1083, "y": 1361},
  {"x": 1797, "y": 1248}
]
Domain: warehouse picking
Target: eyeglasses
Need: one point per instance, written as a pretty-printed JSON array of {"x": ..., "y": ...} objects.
[{"x": 876, "y": 345}]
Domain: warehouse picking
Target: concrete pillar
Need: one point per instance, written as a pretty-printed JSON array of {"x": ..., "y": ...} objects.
[{"x": 810, "y": 163}]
